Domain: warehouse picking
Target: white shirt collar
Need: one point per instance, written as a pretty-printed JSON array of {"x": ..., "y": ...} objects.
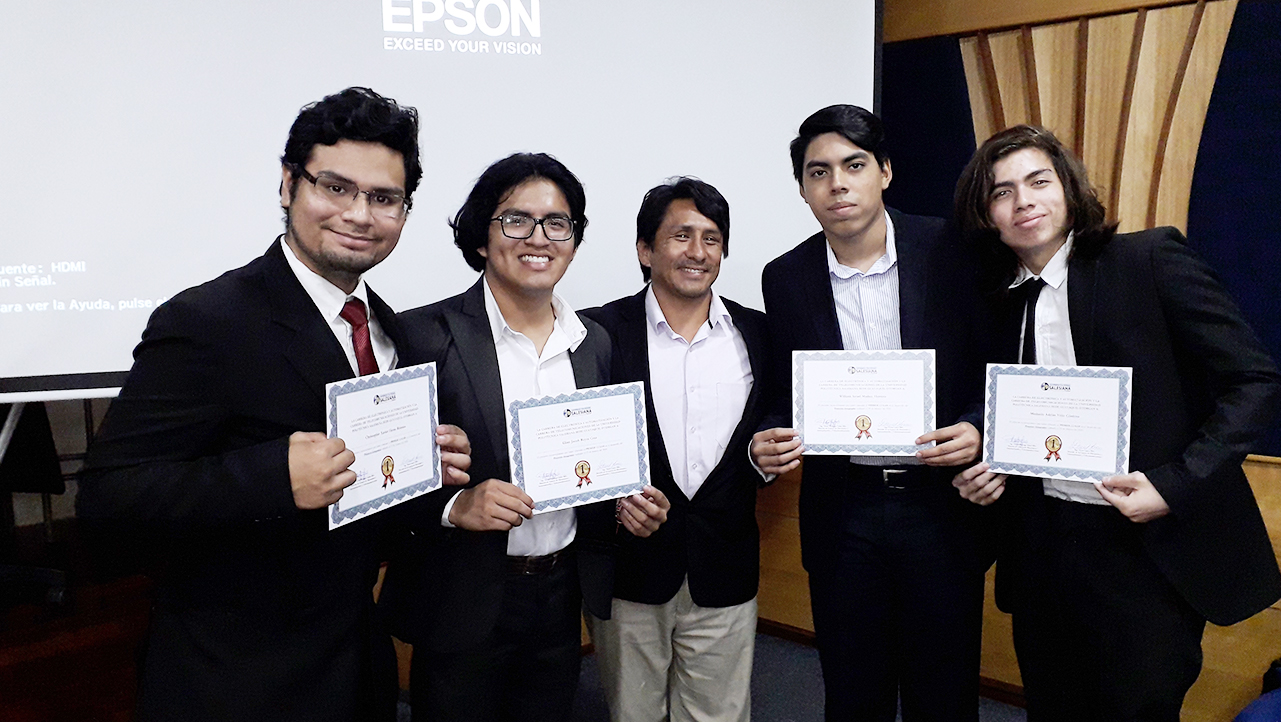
[
  {"x": 567, "y": 321},
  {"x": 1055, "y": 271},
  {"x": 717, "y": 314},
  {"x": 328, "y": 298},
  {"x": 883, "y": 264}
]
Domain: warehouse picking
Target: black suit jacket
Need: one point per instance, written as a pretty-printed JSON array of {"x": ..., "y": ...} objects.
[
  {"x": 444, "y": 588},
  {"x": 712, "y": 538},
  {"x": 261, "y": 612},
  {"x": 937, "y": 309},
  {"x": 1204, "y": 389}
]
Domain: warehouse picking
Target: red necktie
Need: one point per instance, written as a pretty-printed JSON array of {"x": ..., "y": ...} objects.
[{"x": 353, "y": 312}]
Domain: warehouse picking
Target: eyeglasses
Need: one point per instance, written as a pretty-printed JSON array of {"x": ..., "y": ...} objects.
[
  {"x": 341, "y": 193},
  {"x": 520, "y": 226}
]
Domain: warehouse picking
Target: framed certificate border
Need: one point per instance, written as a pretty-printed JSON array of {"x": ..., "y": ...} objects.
[
  {"x": 636, "y": 390},
  {"x": 798, "y": 408},
  {"x": 339, "y": 514},
  {"x": 1124, "y": 392}
]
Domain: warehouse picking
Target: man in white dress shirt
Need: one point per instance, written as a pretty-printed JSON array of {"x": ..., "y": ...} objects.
[
  {"x": 493, "y": 606},
  {"x": 679, "y": 643}
]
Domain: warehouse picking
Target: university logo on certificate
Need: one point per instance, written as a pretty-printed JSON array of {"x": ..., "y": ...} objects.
[
  {"x": 1057, "y": 422},
  {"x": 573, "y": 449},
  {"x": 388, "y": 420}
]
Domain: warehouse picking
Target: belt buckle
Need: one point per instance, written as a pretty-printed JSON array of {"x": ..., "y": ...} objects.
[{"x": 886, "y": 475}]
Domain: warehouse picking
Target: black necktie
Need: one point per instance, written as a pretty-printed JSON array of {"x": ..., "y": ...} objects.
[{"x": 1034, "y": 287}]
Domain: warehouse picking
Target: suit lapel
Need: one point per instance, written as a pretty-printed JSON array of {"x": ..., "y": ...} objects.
[
  {"x": 471, "y": 332},
  {"x": 913, "y": 272},
  {"x": 306, "y": 340},
  {"x": 1081, "y": 311},
  {"x": 816, "y": 283},
  {"x": 633, "y": 345}
]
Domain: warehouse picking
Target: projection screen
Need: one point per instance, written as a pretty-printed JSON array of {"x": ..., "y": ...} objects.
[{"x": 143, "y": 138}]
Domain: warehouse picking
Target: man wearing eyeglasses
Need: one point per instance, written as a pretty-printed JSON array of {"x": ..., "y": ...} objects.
[
  {"x": 489, "y": 593},
  {"x": 214, "y": 448}
]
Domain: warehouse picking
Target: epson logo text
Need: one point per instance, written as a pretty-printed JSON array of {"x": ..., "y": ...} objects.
[{"x": 491, "y": 17}]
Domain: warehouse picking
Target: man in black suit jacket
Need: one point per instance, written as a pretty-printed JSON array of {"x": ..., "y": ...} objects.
[
  {"x": 1109, "y": 607},
  {"x": 896, "y": 581},
  {"x": 215, "y": 445},
  {"x": 489, "y": 594},
  {"x": 683, "y": 625}
]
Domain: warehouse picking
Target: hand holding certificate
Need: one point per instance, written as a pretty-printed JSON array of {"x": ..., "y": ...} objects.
[
  {"x": 870, "y": 403},
  {"x": 1057, "y": 422},
  {"x": 580, "y": 448},
  {"x": 389, "y": 421}
]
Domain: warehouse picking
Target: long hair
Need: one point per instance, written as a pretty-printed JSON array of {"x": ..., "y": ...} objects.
[{"x": 1086, "y": 215}]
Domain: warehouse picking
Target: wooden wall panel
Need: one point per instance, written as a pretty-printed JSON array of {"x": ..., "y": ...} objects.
[
  {"x": 909, "y": 19},
  {"x": 1106, "y": 72},
  {"x": 1188, "y": 117},
  {"x": 1164, "y": 36},
  {"x": 1011, "y": 79},
  {"x": 980, "y": 94},
  {"x": 1055, "y": 49}
]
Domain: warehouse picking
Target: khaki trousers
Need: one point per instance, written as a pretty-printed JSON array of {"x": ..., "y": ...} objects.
[{"x": 676, "y": 661}]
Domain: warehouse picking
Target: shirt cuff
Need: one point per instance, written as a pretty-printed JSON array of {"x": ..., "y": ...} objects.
[{"x": 444, "y": 515}]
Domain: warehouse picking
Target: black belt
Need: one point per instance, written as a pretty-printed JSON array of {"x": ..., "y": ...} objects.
[
  {"x": 894, "y": 479},
  {"x": 529, "y": 566}
]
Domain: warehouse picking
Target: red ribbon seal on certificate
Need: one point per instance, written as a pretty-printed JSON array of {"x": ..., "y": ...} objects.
[
  {"x": 581, "y": 470},
  {"x": 388, "y": 465},
  {"x": 863, "y": 423},
  {"x": 1052, "y": 445}
]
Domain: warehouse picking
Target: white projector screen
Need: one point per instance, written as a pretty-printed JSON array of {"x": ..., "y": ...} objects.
[{"x": 143, "y": 140}]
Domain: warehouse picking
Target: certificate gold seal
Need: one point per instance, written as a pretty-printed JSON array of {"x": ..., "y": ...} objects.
[
  {"x": 1052, "y": 445},
  {"x": 581, "y": 470},
  {"x": 388, "y": 465},
  {"x": 863, "y": 423}
]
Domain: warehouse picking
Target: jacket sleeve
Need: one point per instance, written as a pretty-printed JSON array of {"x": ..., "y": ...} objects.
[
  {"x": 164, "y": 455},
  {"x": 1205, "y": 325}
]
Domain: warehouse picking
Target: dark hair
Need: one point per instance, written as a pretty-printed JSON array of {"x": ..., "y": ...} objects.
[
  {"x": 855, "y": 124},
  {"x": 471, "y": 224},
  {"x": 707, "y": 200},
  {"x": 1086, "y": 214},
  {"x": 356, "y": 114}
]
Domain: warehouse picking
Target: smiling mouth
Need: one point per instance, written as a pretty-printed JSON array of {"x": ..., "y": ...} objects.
[
  {"x": 686, "y": 269},
  {"x": 1028, "y": 221},
  {"x": 528, "y": 258}
]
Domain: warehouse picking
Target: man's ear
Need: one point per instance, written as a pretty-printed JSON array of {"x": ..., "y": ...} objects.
[
  {"x": 286, "y": 187},
  {"x": 887, "y": 174},
  {"x": 643, "y": 252}
]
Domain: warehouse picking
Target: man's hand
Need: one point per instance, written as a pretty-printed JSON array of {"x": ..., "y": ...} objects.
[
  {"x": 455, "y": 454},
  {"x": 957, "y": 445},
  {"x": 979, "y": 485},
  {"x": 777, "y": 450},
  {"x": 318, "y": 469},
  {"x": 491, "y": 505},
  {"x": 642, "y": 514},
  {"x": 1134, "y": 495}
]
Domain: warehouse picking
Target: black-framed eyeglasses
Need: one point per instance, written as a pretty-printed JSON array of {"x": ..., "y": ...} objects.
[
  {"x": 341, "y": 193},
  {"x": 519, "y": 226}
]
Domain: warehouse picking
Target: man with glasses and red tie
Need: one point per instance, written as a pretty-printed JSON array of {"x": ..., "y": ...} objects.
[
  {"x": 489, "y": 593},
  {"x": 214, "y": 448}
]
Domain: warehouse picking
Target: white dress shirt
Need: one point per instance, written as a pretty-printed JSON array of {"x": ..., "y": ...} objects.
[
  {"x": 330, "y": 299},
  {"x": 867, "y": 308},
  {"x": 525, "y": 374},
  {"x": 1054, "y": 347},
  {"x": 699, "y": 387}
]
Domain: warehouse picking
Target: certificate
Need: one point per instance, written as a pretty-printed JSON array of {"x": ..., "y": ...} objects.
[
  {"x": 388, "y": 420},
  {"x": 863, "y": 403},
  {"x": 579, "y": 448},
  {"x": 1057, "y": 422}
]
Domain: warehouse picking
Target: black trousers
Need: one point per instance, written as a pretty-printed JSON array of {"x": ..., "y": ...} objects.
[
  {"x": 897, "y": 596},
  {"x": 527, "y": 668},
  {"x": 1099, "y": 632}
]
